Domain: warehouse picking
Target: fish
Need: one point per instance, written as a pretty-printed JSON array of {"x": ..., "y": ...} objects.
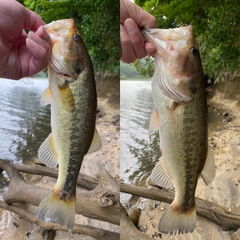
[
  {"x": 73, "y": 98},
  {"x": 180, "y": 116}
]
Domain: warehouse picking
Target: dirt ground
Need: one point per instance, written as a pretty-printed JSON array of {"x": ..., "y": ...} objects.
[
  {"x": 224, "y": 141},
  {"x": 13, "y": 227}
]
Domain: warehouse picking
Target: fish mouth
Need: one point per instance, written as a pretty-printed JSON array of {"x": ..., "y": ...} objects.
[
  {"x": 171, "y": 78},
  {"x": 60, "y": 31},
  {"x": 169, "y": 39}
]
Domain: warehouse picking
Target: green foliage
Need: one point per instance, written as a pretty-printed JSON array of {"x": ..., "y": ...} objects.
[
  {"x": 216, "y": 25},
  {"x": 98, "y": 21},
  {"x": 128, "y": 71},
  {"x": 145, "y": 66}
]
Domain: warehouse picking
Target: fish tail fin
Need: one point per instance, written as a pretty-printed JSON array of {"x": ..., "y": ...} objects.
[
  {"x": 177, "y": 222},
  {"x": 54, "y": 208}
]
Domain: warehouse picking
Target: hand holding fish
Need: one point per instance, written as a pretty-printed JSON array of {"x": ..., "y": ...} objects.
[
  {"x": 132, "y": 18},
  {"x": 21, "y": 54}
]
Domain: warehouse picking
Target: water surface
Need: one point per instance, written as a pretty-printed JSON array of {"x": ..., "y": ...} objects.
[{"x": 24, "y": 124}]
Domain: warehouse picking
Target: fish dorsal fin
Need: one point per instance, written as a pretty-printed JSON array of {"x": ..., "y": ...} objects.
[
  {"x": 47, "y": 153},
  {"x": 96, "y": 143},
  {"x": 159, "y": 176},
  {"x": 154, "y": 122},
  {"x": 66, "y": 98},
  {"x": 46, "y": 97},
  {"x": 208, "y": 172}
]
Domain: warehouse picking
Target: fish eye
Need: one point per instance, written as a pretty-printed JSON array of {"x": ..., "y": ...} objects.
[
  {"x": 76, "y": 37},
  {"x": 194, "y": 51}
]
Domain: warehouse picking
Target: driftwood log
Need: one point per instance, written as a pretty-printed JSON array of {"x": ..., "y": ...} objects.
[
  {"x": 128, "y": 231},
  {"x": 227, "y": 218},
  {"x": 101, "y": 203}
]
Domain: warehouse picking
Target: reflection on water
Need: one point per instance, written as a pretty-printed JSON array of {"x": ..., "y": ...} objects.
[
  {"x": 138, "y": 151},
  {"x": 24, "y": 124}
]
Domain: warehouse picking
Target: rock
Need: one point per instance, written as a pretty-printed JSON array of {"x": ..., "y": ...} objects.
[
  {"x": 134, "y": 214},
  {"x": 236, "y": 235},
  {"x": 226, "y": 120},
  {"x": 213, "y": 144},
  {"x": 225, "y": 114}
]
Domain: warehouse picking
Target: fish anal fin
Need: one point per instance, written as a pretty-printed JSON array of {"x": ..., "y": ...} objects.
[
  {"x": 47, "y": 153},
  {"x": 54, "y": 208},
  {"x": 96, "y": 143},
  {"x": 154, "y": 124},
  {"x": 159, "y": 176},
  {"x": 66, "y": 98},
  {"x": 208, "y": 172},
  {"x": 46, "y": 97},
  {"x": 175, "y": 221}
]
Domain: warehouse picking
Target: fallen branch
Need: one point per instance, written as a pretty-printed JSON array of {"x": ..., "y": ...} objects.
[
  {"x": 227, "y": 218},
  {"x": 97, "y": 233},
  {"x": 102, "y": 203}
]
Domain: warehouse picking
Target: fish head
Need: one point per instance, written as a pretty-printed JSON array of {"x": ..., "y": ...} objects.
[
  {"x": 69, "y": 53},
  {"x": 178, "y": 67}
]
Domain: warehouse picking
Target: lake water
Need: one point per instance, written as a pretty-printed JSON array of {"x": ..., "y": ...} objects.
[
  {"x": 24, "y": 124},
  {"x": 138, "y": 151}
]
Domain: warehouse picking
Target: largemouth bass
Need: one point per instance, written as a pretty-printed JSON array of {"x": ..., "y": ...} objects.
[
  {"x": 73, "y": 99},
  {"x": 181, "y": 117}
]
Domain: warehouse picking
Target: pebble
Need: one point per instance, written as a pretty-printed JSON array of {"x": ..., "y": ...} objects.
[{"x": 225, "y": 114}]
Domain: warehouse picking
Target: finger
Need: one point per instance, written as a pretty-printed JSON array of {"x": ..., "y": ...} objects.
[
  {"x": 136, "y": 38},
  {"x": 38, "y": 55},
  {"x": 127, "y": 52},
  {"x": 40, "y": 43},
  {"x": 131, "y": 10},
  {"x": 32, "y": 20},
  {"x": 147, "y": 20},
  {"x": 42, "y": 38},
  {"x": 150, "y": 48},
  {"x": 42, "y": 32}
]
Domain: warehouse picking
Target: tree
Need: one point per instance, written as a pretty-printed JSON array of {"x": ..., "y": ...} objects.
[
  {"x": 98, "y": 22},
  {"x": 216, "y": 26}
]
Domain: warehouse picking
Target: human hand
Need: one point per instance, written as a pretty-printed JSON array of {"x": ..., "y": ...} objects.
[
  {"x": 132, "y": 18},
  {"x": 21, "y": 54}
]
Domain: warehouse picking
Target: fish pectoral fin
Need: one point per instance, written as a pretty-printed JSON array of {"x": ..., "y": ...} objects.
[
  {"x": 66, "y": 98},
  {"x": 47, "y": 153},
  {"x": 96, "y": 143},
  {"x": 46, "y": 97},
  {"x": 154, "y": 122},
  {"x": 208, "y": 172},
  {"x": 159, "y": 176}
]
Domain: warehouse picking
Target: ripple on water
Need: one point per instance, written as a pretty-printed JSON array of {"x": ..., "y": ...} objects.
[{"x": 24, "y": 124}]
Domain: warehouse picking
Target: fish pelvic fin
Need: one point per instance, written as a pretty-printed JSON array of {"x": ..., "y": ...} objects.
[
  {"x": 54, "y": 208},
  {"x": 46, "y": 97},
  {"x": 154, "y": 122},
  {"x": 208, "y": 172},
  {"x": 177, "y": 222},
  {"x": 47, "y": 153},
  {"x": 159, "y": 176},
  {"x": 96, "y": 143}
]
